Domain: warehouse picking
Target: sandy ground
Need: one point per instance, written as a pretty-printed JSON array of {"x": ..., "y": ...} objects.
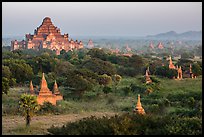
[{"x": 41, "y": 123}]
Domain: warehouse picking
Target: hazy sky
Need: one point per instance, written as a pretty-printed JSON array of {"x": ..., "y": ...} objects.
[{"x": 103, "y": 18}]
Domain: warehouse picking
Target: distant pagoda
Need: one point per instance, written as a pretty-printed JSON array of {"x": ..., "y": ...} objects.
[
  {"x": 160, "y": 46},
  {"x": 47, "y": 36},
  {"x": 191, "y": 72},
  {"x": 151, "y": 46},
  {"x": 147, "y": 77},
  {"x": 179, "y": 71},
  {"x": 171, "y": 65},
  {"x": 90, "y": 44}
]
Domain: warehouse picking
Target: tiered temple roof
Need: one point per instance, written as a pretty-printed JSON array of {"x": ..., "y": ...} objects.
[{"x": 47, "y": 36}]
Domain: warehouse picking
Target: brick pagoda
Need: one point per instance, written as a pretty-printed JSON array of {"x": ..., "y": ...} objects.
[
  {"x": 139, "y": 109},
  {"x": 45, "y": 95},
  {"x": 147, "y": 77},
  {"x": 171, "y": 65}
]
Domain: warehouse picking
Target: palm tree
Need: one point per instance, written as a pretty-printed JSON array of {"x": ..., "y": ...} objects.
[{"x": 28, "y": 106}]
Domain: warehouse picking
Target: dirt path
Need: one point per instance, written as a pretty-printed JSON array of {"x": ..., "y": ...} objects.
[{"x": 39, "y": 124}]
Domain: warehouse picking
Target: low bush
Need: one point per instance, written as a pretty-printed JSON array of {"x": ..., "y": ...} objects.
[
  {"x": 107, "y": 89},
  {"x": 131, "y": 124},
  {"x": 137, "y": 88},
  {"x": 126, "y": 90},
  {"x": 47, "y": 108}
]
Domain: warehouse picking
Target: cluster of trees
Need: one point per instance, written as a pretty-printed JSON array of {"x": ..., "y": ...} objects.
[
  {"x": 131, "y": 124},
  {"x": 75, "y": 70},
  {"x": 70, "y": 69},
  {"x": 125, "y": 66}
]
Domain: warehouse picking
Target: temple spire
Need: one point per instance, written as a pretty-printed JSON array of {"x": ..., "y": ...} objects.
[
  {"x": 146, "y": 74},
  {"x": 148, "y": 70},
  {"x": 148, "y": 80},
  {"x": 190, "y": 68},
  {"x": 171, "y": 65},
  {"x": 44, "y": 87},
  {"x": 191, "y": 72},
  {"x": 151, "y": 45},
  {"x": 179, "y": 71},
  {"x": 43, "y": 76},
  {"x": 31, "y": 88},
  {"x": 139, "y": 105},
  {"x": 170, "y": 60},
  {"x": 55, "y": 88},
  {"x": 139, "y": 109}
]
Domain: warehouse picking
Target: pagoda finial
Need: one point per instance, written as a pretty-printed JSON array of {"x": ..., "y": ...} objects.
[
  {"x": 191, "y": 73},
  {"x": 44, "y": 87},
  {"x": 147, "y": 73},
  {"x": 31, "y": 87},
  {"x": 55, "y": 88},
  {"x": 170, "y": 60},
  {"x": 43, "y": 76},
  {"x": 139, "y": 105},
  {"x": 148, "y": 70}
]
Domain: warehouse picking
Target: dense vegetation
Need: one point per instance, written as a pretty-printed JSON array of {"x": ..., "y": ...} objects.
[
  {"x": 96, "y": 80},
  {"x": 129, "y": 124}
]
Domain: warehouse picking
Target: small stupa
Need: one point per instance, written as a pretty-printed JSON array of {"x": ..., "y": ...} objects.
[
  {"x": 151, "y": 46},
  {"x": 139, "y": 109},
  {"x": 57, "y": 92},
  {"x": 179, "y": 71},
  {"x": 191, "y": 72},
  {"x": 171, "y": 65},
  {"x": 160, "y": 46},
  {"x": 31, "y": 88},
  {"x": 148, "y": 80},
  {"x": 90, "y": 44}
]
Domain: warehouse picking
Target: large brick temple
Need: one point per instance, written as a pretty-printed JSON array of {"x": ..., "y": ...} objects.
[{"x": 47, "y": 36}]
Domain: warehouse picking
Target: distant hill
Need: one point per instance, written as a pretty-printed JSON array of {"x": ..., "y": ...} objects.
[{"x": 172, "y": 35}]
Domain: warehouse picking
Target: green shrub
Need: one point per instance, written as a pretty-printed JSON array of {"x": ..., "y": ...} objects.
[
  {"x": 131, "y": 124},
  {"x": 107, "y": 89},
  {"x": 90, "y": 95},
  {"x": 164, "y": 71},
  {"x": 155, "y": 79},
  {"x": 185, "y": 126},
  {"x": 110, "y": 100},
  {"x": 126, "y": 90},
  {"x": 47, "y": 108},
  {"x": 137, "y": 88}
]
